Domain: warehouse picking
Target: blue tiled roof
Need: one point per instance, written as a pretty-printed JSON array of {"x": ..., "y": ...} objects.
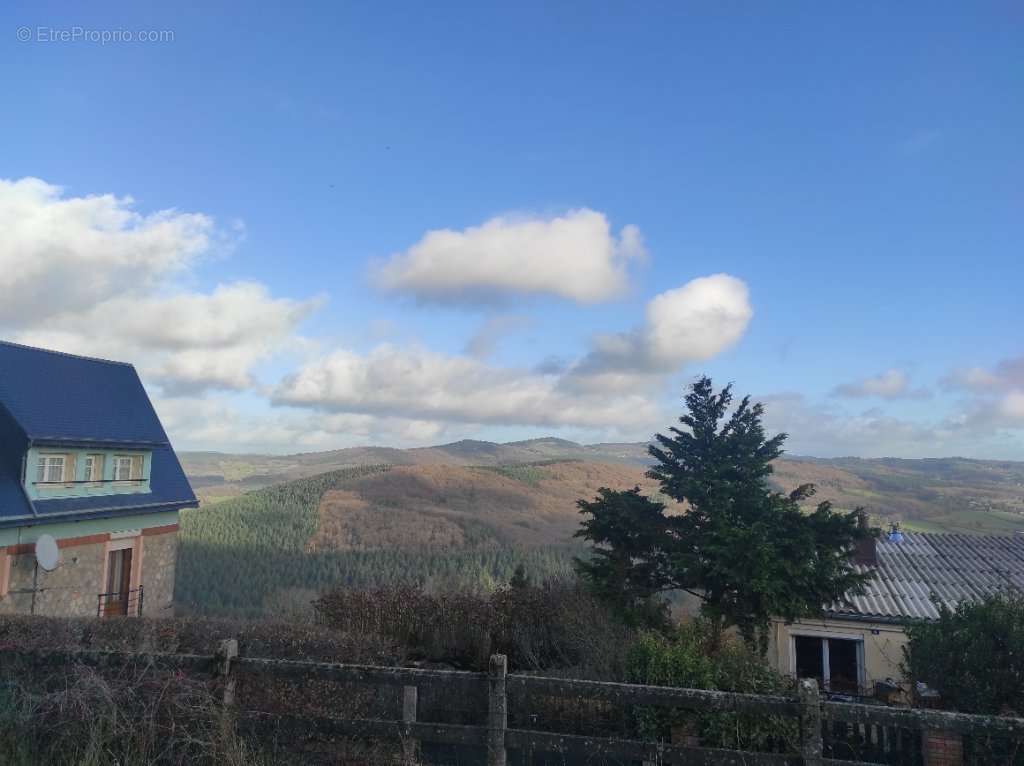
[
  {"x": 49, "y": 397},
  {"x": 71, "y": 398}
]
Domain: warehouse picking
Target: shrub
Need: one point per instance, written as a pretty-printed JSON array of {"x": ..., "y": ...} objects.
[
  {"x": 141, "y": 716},
  {"x": 972, "y": 655},
  {"x": 555, "y": 626},
  {"x": 695, "y": 656}
]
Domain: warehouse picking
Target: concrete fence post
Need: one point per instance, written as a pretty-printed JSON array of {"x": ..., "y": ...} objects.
[
  {"x": 497, "y": 710},
  {"x": 227, "y": 653},
  {"x": 410, "y": 745},
  {"x": 810, "y": 722}
]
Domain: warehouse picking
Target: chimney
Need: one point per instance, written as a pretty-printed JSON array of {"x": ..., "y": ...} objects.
[
  {"x": 895, "y": 536},
  {"x": 864, "y": 551}
]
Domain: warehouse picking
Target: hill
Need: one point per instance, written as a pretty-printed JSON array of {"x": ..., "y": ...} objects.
[
  {"x": 437, "y": 525},
  {"x": 216, "y": 475},
  {"x": 948, "y": 494},
  {"x": 446, "y": 524}
]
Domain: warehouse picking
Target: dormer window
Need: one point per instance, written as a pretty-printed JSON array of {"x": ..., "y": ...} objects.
[
  {"x": 128, "y": 468},
  {"x": 50, "y": 469},
  {"x": 122, "y": 468},
  {"x": 93, "y": 468}
]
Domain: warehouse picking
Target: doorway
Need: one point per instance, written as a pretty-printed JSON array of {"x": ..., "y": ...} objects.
[{"x": 119, "y": 582}]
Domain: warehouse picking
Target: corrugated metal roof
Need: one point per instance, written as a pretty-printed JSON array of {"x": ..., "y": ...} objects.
[{"x": 949, "y": 567}]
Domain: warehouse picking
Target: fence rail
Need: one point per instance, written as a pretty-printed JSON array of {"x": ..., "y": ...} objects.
[{"x": 812, "y": 712}]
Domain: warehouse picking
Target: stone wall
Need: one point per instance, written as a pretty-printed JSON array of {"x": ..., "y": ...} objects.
[
  {"x": 68, "y": 591},
  {"x": 72, "y": 589},
  {"x": 159, "y": 556}
]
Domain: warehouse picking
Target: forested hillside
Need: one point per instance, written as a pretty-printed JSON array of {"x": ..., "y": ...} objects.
[
  {"x": 946, "y": 494},
  {"x": 455, "y": 524},
  {"x": 273, "y": 549}
]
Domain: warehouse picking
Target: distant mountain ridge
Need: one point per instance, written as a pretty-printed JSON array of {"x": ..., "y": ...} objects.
[{"x": 940, "y": 494}]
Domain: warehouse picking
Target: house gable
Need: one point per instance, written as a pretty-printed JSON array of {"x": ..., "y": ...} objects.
[{"x": 70, "y": 411}]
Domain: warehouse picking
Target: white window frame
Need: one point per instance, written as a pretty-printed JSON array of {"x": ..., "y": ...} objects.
[
  {"x": 93, "y": 468},
  {"x": 120, "y": 460},
  {"x": 46, "y": 463},
  {"x": 826, "y": 671}
]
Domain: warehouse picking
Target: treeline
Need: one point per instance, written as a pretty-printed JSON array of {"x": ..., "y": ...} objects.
[{"x": 247, "y": 556}]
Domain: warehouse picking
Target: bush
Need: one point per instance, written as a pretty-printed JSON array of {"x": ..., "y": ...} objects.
[
  {"x": 556, "y": 626},
  {"x": 693, "y": 656},
  {"x": 142, "y": 716},
  {"x": 973, "y": 655},
  {"x": 265, "y": 638}
]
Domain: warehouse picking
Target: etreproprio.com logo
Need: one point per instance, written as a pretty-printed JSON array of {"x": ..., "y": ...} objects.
[{"x": 77, "y": 34}]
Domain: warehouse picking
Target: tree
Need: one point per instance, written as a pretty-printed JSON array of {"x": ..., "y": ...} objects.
[
  {"x": 972, "y": 655},
  {"x": 748, "y": 553},
  {"x": 519, "y": 578}
]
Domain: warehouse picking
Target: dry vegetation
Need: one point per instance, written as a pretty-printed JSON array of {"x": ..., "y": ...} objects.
[
  {"x": 949, "y": 494},
  {"x": 445, "y": 505}
]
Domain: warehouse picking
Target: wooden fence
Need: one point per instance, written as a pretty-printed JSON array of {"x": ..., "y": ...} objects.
[{"x": 813, "y": 713}]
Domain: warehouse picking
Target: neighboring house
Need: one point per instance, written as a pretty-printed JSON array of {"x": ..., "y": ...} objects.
[
  {"x": 855, "y": 646},
  {"x": 84, "y": 459}
]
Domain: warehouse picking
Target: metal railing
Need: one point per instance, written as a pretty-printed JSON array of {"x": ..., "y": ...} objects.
[
  {"x": 120, "y": 603},
  {"x": 89, "y": 481}
]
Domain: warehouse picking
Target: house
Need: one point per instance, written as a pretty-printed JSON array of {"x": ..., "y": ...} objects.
[
  {"x": 853, "y": 647},
  {"x": 84, "y": 463}
]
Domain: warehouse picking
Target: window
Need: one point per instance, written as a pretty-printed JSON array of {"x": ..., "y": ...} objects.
[
  {"x": 834, "y": 662},
  {"x": 50, "y": 469},
  {"x": 93, "y": 468},
  {"x": 123, "y": 468}
]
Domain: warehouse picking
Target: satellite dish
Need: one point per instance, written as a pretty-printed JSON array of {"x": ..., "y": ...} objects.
[{"x": 47, "y": 555}]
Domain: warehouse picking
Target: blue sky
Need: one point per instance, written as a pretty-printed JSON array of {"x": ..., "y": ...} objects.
[{"x": 855, "y": 167}]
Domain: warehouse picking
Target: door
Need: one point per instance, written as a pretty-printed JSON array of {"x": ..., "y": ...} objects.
[{"x": 119, "y": 579}]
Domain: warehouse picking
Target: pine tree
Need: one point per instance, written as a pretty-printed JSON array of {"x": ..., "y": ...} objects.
[{"x": 748, "y": 553}]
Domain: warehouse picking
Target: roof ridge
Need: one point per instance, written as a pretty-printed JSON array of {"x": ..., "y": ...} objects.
[{"x": 26, "y": 347}]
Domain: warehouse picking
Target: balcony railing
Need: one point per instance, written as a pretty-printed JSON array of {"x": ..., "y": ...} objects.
[
  {"x": 120, "y": 603},
  {"x": 89, "y": 481}
]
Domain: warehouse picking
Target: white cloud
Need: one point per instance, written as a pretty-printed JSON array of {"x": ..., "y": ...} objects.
[
  {"x": 823, "y": 431},
  {"x": 574, "y": 256},
  {"x": 1012, "y": 406},
  {"x": 688, "y": 324},
  {"x": 998, "y": 394},
  {"x": 89, "y": 275},
  {"x": 420, "y": 384},
  {"x": 1006, "y": 375},
  {"x": 69, "y": 253},
  {"x": 891, "y": 384},
  {"x": 216, "y": 423},
  {"x": 615, "y": 386}
]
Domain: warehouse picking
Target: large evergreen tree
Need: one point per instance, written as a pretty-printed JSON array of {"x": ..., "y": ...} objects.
[{"x": 748, "y": 553}]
